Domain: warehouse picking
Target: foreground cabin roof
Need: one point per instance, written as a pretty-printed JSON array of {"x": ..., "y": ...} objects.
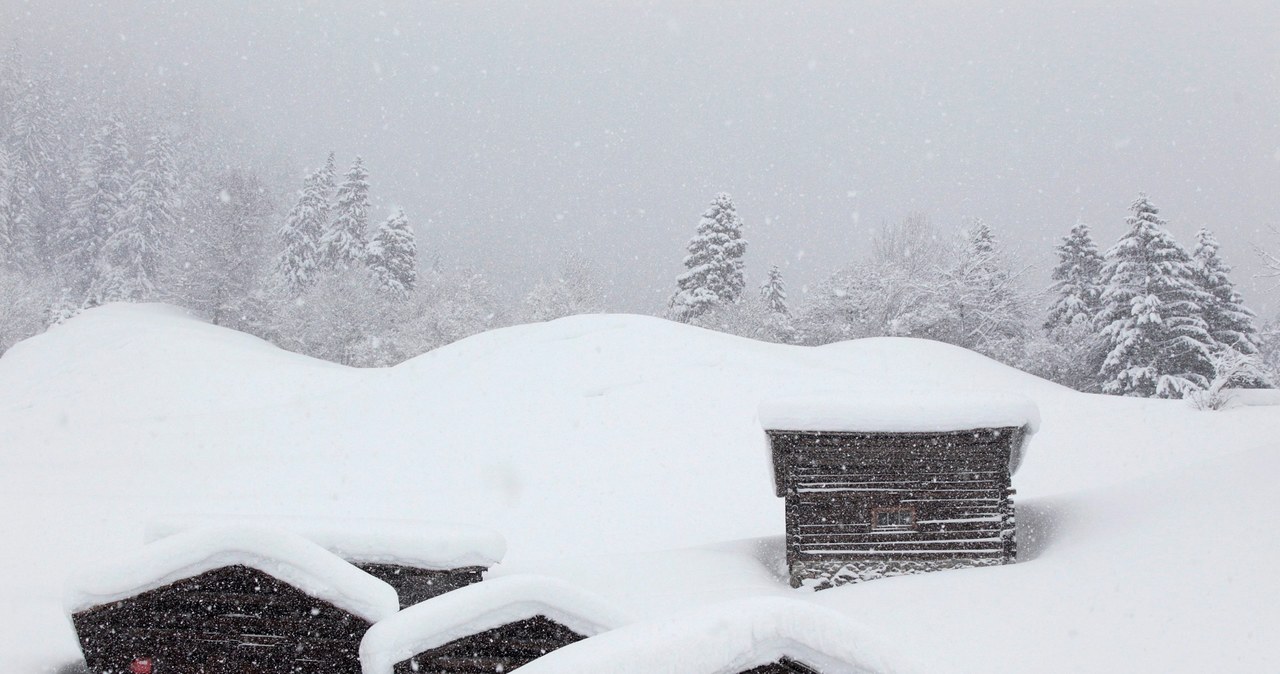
[
  {"x": 751, "y": 635},
  {"x": 484, "y": 606},
  {"x": 423, "y": 545},
  {"x": 285, "y": 556}
]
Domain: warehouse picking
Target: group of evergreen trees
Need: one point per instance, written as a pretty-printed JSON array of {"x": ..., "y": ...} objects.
[
  {"x": 1150, "y": 318},
  {"x": 1146, "y": 319},
  {"x": 328, "y": 231}
]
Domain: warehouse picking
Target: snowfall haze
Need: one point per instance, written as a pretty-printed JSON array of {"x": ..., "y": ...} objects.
[{"x": 514, "y": 132}]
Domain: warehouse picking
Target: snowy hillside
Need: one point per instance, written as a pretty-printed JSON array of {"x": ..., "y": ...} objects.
[{"x": 623, "y": 453}]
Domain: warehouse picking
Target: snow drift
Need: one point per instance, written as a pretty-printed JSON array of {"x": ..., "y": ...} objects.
[{"x": 615, "y": 451}]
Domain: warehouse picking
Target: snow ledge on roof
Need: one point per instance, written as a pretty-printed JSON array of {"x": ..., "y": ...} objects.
[
  {"x": 929, "y": 412},
  {"x": 476, "y": 608},
  {"x": 280, "y": 554},
  {"x": 424, "y": 545},
  {"x": 732, "y": 637}
]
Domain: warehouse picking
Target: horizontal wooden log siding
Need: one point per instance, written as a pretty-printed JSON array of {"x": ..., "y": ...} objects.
[
  {"x": 415, "y": 585},
  {"x": 956, "y": 485},
  {"x": 500, "y": 649},
  {"x": 235, "y": 619},
  {"x": 783, "y": 666}
]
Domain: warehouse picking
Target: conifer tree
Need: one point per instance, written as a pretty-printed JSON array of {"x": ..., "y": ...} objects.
[
  {"x": 22, "y": 250},
  {"x": 1077, "y": 282},
  {"x": 774, "y": 292},
  {"x": 984, "y": 308},
  {"x": 131, "y": 257},
  {"x": 7, "y": 253},
  {"x": 343, "y": 245},
  {"x": 714, "y": 275},
  {"x": 1156, "y": 340},
  {"x": 96, "y": 201},
  {"x": 393, "y": 255},
  {"x": 299, "y": 260},
  {"x": 1229, "y": 321}
]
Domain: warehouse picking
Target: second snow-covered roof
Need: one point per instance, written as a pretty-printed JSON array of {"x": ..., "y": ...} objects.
[
  {"x": 476, "y": 608},
  {"x": 729, "y": 638},
  {"x": 280, "y": 554}
]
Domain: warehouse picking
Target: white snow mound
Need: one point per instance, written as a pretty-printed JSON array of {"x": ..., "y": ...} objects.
[
  {"x": 483, "y": 606},
  {"x": 732, "y": 637},
  {"x": 423, "y": 545},
  {"x": 280, "y": 554}
]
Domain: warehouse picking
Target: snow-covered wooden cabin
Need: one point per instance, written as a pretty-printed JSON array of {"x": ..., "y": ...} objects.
[
  {"x": 493, "y": 626},
  {"x": 226, "y": 599},
  {"x": 882, "y": 486},
  {"x": 763, "y": 635},
  {"x": 419, "y": 559}
]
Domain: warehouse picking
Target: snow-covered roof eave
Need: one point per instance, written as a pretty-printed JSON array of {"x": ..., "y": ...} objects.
[
  {"x": 283, "y": 555},
  {"x": 926, "y": 412},
  {"x": 732, "y": 637},
  {"x": 479, "y": 607}
]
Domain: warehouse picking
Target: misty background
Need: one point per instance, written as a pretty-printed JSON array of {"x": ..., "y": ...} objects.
[{"x": 512, "y": 133}]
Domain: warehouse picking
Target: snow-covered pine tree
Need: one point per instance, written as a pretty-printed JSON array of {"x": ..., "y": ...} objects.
[
  {"x": 1230, "y": 322},
  {"x": 299, "y": 259},
  {"x": 393, "y": 255},
  {"x": 1077, "y": 282},
  {"x": 714, "y": 263},
  {"x": 131, "y": 257},
  {"x": 343, "y": 245},
  {"x": 982, "y": 306},
  {"x": 774, "y": 292},
  {"x": 7, "y": 256},
  {"x": 1152, "y": 321},
  {"x": 328, "y": 176},
  {"x": 96, "y": 202}
]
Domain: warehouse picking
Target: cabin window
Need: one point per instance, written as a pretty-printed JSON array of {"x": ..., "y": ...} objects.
[{"x": 893, "y": 519}]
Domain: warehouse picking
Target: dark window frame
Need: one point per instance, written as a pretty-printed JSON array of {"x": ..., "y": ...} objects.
[{"x": 909, "y": 510}]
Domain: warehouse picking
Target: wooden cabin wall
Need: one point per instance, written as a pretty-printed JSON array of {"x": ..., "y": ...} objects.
[
  {"x": 415, "y": 585},
  {"x": 783, "y": 666},
  {"x": 500, "y": 649},
  {"x": 236, "y": 620},
  {"x": 957, "y": 484}
]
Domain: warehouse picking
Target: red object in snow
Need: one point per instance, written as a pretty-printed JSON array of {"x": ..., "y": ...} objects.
[{"x": 140, "y": 666}]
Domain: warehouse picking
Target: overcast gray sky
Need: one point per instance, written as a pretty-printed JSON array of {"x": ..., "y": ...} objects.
[{"x": 510, "y": 132}]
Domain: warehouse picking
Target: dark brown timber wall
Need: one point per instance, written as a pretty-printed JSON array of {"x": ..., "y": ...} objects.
[
  {"x": 233, "y": 620},
  {"x": 500, "y": 649},
  {"x": 415, "y": 585},
  {"x": 783, "y": 666},
  {"x": 955, "y": 485}
]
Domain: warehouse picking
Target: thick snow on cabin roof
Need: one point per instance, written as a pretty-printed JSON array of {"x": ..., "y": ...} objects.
[
  {"x": 283, "y": 555},
  {"x": 728, "y": 638},
  {"x": 844, "y": 412},
  {"x": 898, "y": 413},
  {"x": 425, "y": 545},
  {"x": 476, "y": 608}
]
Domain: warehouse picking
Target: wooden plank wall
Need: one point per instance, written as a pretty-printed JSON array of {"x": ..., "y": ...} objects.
[
  {"x": 234, "y": 620},
  {"x": 956, "y": 484},
  {"x": 783, "y": 666},
  {"x": 415, "y": 585},
  {"x": 500, "y": 649}
]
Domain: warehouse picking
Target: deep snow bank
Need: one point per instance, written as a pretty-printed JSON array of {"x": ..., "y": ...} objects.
[{"x": 594, "y": 437}]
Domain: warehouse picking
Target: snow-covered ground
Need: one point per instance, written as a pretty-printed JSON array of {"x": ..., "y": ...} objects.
[{"x": 623, "y": 453}]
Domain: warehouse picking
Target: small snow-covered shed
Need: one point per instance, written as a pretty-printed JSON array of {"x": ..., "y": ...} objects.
[
  {"x": 882, "y": 486},
  {"x": 493, "y": 626},
  {"x": 763, "y": 635},
  {"x": 226, "y": 599},
  {"x": 419, "y": 559}
]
